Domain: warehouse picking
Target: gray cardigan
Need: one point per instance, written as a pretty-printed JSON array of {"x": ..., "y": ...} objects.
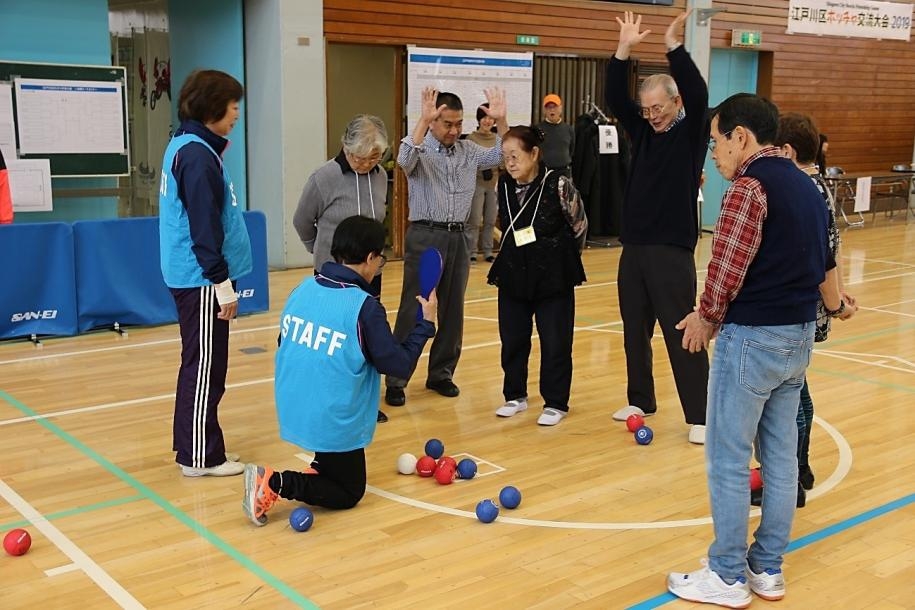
[{"x": 332, "y": 193}]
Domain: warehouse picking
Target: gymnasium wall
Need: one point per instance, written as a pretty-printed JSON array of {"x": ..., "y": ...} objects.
[
  {"x": 859, "y": 90},
  {"x": 60, "y": 31}
]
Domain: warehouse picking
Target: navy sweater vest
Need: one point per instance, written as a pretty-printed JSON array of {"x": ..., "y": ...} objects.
[{"x": 782, "y": 283}]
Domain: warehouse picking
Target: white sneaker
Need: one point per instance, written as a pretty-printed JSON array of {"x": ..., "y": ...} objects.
[
  {"x": 768, "y": 584},
  {"x": 628, "y": 410},
  {"x": 551, "y": 416},
  {"x": 706, "y": 587},
  {"x": 232, "y": 457},
  {"x": 512, "y": 407},
  {"x": 697, "y": 434},
  {"x": 226, "y": 469}
]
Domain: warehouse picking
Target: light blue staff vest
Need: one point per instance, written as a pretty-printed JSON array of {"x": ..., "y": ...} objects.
[
  {"x": 326, "y": 392},
  {"x": 179, "y": 265}
]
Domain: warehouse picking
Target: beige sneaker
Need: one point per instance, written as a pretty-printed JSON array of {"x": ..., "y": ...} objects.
[
  {"x": 628, "y": 410},
  {"x": 697, "y": 434},
  {"x": 226, "y": 469},
  {"x": 512, "y": 407}
]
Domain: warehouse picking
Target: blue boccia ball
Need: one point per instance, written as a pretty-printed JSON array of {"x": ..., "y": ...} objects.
[
  {"x": 301, "y": 519},
  {"x": 644, "y": 435},
  {"x": 467, "y": 468},
  {"x": 435, "y": 448},
  {"x": 510, "y": 497},
  {"x": 487, "y": 511}
]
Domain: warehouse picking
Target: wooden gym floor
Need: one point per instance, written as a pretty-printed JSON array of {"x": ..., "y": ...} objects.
[{"x": 85, "y": 426}]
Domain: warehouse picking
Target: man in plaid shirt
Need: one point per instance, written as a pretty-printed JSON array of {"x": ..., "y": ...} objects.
[{"x": 769, "y": 258}]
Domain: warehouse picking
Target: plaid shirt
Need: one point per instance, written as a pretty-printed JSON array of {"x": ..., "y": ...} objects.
[{"x": 738, "y": 234}]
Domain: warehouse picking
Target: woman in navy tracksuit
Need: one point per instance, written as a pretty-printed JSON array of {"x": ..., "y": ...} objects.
[{"x": 204, "y": 246}]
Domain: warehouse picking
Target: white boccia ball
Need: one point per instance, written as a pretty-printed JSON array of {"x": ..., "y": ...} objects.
[{"x": 406, "y": 463}]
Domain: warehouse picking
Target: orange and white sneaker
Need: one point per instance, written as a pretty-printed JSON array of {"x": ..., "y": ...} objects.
[{"x": 259, "y": 498}]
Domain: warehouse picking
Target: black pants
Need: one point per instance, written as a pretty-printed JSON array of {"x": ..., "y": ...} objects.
[
  {"x": 555, "y": 318},
  {"x": 340, "y": 482},
  {"x": 658, "y": 283},
  {"x": 445, "y": 350},
  {"x": 196, "y": 434}
]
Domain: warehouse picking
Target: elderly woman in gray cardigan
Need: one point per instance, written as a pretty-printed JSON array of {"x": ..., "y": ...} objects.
[{"x": 350, "y": 184}]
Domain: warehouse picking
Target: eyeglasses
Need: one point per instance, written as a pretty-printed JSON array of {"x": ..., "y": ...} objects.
[
  {"x": 656, "y": 110},
  {"x": 712, "y": 143},
  {"x": 384, "y": 260},
  {"x": 372, "y": 160}
]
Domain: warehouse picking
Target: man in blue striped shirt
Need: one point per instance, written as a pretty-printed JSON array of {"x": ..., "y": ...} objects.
[{"x": 441, "y": 174}]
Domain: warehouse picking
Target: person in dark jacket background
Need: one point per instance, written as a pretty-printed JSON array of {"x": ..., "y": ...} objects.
[{"x": 204, "y": 247}]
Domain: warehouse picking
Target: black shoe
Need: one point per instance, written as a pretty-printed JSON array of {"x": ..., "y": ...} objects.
[
  {"x": 381, "y": 417},
  {"x": 490, "y": 258},
  {"x": 805, "y": 477},
  {"x": 473, "y": 259},
  {"x": 801, "y": 496},
  {"x": 395, "y": 397},
  {"x": 445, "y": 387}
]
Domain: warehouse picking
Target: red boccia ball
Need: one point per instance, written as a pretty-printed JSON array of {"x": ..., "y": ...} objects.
[
  {"x": 756, "y": 481},
  {"x": 425, "y": 466},
  {"x": 634, "y": 422},
  {"x": 446, "y": 459},
  {"x": 17, "y": 542},
  {"x": 445, "y": 475}
]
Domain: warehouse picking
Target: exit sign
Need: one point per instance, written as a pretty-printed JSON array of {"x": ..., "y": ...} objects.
[
  {"x": 746, "y": 38},
  {"x": 527, "y": 39}
]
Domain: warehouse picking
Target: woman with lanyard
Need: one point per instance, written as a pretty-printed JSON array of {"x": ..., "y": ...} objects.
[
  {"x": 350, "y": 184},
  {"x": 536, "y": 271}
]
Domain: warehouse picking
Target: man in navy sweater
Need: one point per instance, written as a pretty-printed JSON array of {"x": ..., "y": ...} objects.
[
  {"x": 660, "y": 225},
  {"x": 769, "y": 260}
]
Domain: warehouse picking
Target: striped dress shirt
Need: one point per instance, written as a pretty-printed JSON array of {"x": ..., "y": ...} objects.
[{"x": 441, "y": 179}]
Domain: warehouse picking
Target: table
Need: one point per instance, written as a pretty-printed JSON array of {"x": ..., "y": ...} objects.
[{"x": 885, "y": 186}]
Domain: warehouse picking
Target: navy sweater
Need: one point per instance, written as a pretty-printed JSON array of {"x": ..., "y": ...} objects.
[
  {"x": 781, "y": 286},
  {"x": 659, "y": 207}
]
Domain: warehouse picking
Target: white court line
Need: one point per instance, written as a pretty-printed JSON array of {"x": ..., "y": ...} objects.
[
  {"x": 843, "y": 467},
  {"x": 907, "y": 301},
  {"x": 98, "y": 350},
  {"x": 840, "y": 356},
  {"x": 99, "y": 576},
  {"x": 121, "y": 403},
  {"x": 886, "y": 311},
  {"x": 70, "y": 567}
]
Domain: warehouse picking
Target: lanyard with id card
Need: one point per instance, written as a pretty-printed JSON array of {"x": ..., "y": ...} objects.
[{"x": 525, "y": 235}]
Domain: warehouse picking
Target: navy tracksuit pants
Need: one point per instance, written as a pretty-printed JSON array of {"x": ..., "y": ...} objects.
[{"x": 197, "y": 437}]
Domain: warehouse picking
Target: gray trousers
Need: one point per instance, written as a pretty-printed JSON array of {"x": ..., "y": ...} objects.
[{"x": 446, "y": 345}]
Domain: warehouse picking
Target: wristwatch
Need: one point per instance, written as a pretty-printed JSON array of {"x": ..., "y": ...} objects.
[{"x": 834, "y": 313}]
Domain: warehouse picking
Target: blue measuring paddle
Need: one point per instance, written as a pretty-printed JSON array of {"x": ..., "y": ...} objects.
[{"x": 430, "y": 272}]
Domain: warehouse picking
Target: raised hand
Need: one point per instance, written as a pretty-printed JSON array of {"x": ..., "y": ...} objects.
[
  {"x": 672, "y": 35},
  {"x": 496, "y": 98},
  {"x": 428, "y": 111},
  {"x": 629, "y": 32}
]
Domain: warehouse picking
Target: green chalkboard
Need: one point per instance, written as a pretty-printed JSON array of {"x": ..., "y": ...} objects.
[{"x": 74, "y": 164}]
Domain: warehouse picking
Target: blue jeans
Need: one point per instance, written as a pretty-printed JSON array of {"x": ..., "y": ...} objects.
[{"x": 755, "y": 380}]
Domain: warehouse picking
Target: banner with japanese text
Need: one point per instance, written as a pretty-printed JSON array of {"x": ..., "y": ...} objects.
[{"x": 851, "y": 18}]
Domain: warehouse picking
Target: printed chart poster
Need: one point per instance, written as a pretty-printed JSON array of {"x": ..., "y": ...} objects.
[
  {"x": 851, "y": 18},
  {"x": 61, "y": 116},
  {"x": 467, "y": 74}
]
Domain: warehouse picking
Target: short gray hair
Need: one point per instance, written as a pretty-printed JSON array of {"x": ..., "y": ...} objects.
[
  {"x": 660, "y": 80},
  {"x": 364, "y": 135}
]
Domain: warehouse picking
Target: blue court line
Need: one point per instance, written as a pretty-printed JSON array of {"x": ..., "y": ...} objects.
[
  {"x": 79, "y": 510},
  {"x": 252, "y": 566},
  {"x": 803, "y": 541}
]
